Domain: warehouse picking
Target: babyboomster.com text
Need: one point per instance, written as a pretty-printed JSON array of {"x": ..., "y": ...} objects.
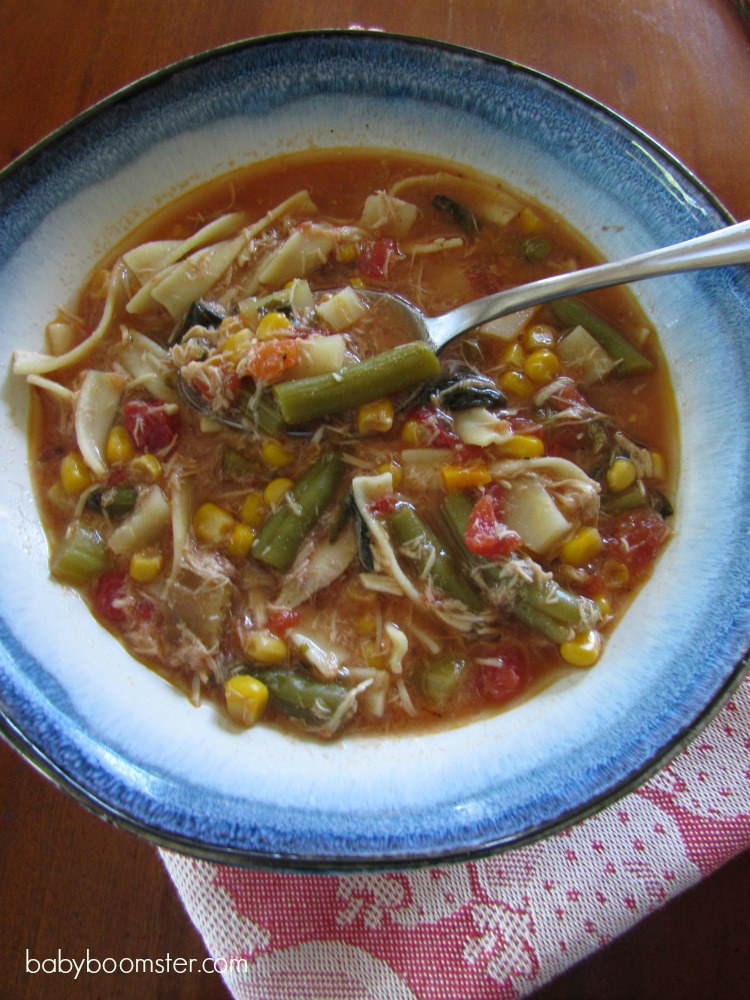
[{"x": 90, "y": 965}]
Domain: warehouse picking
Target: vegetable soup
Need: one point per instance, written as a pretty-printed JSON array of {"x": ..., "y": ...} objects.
[{"x": 272, "y": 494}]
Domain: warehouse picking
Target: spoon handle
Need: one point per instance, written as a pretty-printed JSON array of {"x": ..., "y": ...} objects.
[{"x": 726, "y": 246}]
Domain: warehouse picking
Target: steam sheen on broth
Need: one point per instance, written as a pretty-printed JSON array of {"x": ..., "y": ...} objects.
[{"x": 389, "y": 540}]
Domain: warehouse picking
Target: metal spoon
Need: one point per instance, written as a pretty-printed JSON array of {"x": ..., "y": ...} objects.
[{"x": 726, "y": 246}]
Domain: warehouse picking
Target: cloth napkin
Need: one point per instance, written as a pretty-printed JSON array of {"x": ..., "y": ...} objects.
[{"x": 495, "y": 928}]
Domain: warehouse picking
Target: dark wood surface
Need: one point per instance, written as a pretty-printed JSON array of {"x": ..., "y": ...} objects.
[{"x": 680, "y": 70}]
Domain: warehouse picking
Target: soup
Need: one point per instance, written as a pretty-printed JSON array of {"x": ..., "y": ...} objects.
[{"x": 270, "y": 493}]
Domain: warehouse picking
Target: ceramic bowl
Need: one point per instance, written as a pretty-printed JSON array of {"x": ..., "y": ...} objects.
[{"x": 134, "y": 750}]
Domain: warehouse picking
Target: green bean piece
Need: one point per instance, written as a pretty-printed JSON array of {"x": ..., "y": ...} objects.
[
  {"x": 297, "y": 693},
  {"x": 267, "y": 415},
  {"x": 545, "y": 606},
  {"x": 572, "y": 312},
  {"x": 441, "y": 679},
  {"x": 543, "y": 623},
  {"x": 114, "y": 501},
  {"x": 536, "y": 249},
  {"x": 634, "y": 496},
  {"x": 426, "y": 551},
  {"x": 235, "y": 465},
  {"x": 556, "y": 602},
  {"x": 81, "y": 556},
  {"x": 281, "y": 536},
  {"x": 383, "y": 375}
]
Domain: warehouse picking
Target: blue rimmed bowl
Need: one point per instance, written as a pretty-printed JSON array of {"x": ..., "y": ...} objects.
[{"x": 134, "y": 750}]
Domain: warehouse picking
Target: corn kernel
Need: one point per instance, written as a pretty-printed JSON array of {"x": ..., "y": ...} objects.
[
  {"x": 375, "y": 417},
  {"x": 346, "y": 253},
  {"x": 616, "y": 573},
  {"x": 464, "y": 477},
  {"x": 366, "y": 624},
  {"x": 271, "y": 325},
  {"x": 375, "y": 655},
  {"x": 529, "y": 221},
  {"x": 236, "y": 346},
  {"x": 517, "y": 383},
  {"x": 397, "y": 473},
  {"x": 246, "y": 699},
  {"x": 230, "y": 325},
  {"x": 357, "y": 282},
  {"x": 253, "y": 509},
  {"x": 657, "y": 465},
  {"x": 275, "y": 455},
  {"x": 603, "y": 603},
  {"x": 145, "y": 566},
  {"x": 413, "y": 432},
  {"x": 74, "y": 473},
  {"x": 212, "y": 523},
  {"x": 523, "y": 446},
  {"x": 239, "y": 540},
  {"x": 582, "y": 547},
  {"x": 513, "y": 355},
  {"x": 583, "y": 650},
  {"x": 119, "y": 446},
  {"x": 275, "y": 490},
  {"x": 542, "y": 365},
  {"x": 621, "y": 474},
  {"x": 146, "y": 467},
  {"x": 538, "y": 335},
  {"x": 264, "y": 647}
]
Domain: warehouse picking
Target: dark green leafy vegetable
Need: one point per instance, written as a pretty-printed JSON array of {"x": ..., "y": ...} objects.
[
  {"x": 457, "y": 213},
  {"x": 460, "y": 390},
  {"x": 201, "y": 313}
]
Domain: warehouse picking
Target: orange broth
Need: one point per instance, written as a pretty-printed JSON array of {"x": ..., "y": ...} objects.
[{"x": 373, "y": 647}]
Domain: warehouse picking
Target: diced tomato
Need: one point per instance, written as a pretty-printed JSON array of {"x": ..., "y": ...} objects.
[
  {"x": 484, "y": 282},
  {"x": 437, "y": 428},
  {"x": 522, "y": 425},
  {"x": 383, "y": 506},
  {"x": 565, "y": 440},
  {"x": 267, "y": 360},
  {"x": 283, "y": 619},
  {"x": 153, "y": 427},
  {"x": 107, "y": 595},
  {"x": 634, "y": 538},
  {"x": 502, "y": 674},
  {"x": 486, "y": 533},
  {"x": 377, "y": 259},
  {"x": 567, "y": 394}
]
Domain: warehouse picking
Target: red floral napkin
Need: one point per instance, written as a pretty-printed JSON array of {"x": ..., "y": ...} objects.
[{"x": 488, "y": 929}]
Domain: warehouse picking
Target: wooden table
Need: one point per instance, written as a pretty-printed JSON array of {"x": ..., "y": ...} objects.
[{"x": 679, "y": 69}]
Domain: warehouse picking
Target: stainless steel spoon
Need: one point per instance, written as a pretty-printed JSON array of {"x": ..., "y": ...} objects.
[{"x": 726, "y": 246}]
